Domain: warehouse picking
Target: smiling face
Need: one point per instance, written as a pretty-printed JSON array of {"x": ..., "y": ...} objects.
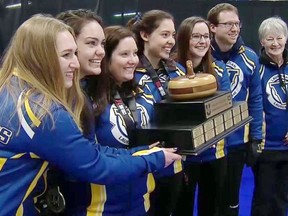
[
  {"x": 90, "y": 43},
  {"x": 160, "y": 42},
  {"x": 274, "y": 45},
  {"x": 225, "y": 34},
  {"x": 199, "y": 42},
  {"x": 124, "y": 60},
  {"x": 66, "y": 51}
]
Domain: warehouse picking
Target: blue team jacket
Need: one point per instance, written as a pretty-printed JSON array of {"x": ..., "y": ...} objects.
[
  {"x": 273, "y": 79},
  {"x": 145, "y": 82},
  {"x": 111, "y": 130},
  {"x": 28, "y": 144},
  {"x": 243, "y": 69}
]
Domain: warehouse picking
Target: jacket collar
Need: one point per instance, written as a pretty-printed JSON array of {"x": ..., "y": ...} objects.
[
  {"x": 266, "y": 60},
  {"x": 238, "y": 47}
]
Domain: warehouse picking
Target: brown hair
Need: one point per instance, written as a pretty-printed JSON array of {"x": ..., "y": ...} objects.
[
  {"x": 114, "y": 34},
  {"x": 214, "y": 12},
  {"x": 183, "y": 37},
  {"x": 147, "y": 23},
  {"x": 77, "y": 19}
]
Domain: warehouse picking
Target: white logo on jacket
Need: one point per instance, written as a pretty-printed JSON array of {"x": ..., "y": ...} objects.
[
  {"x": 276, "y": 93},
  {"x": 118, "y": 130},
  {"x": 236, "y": 77}
]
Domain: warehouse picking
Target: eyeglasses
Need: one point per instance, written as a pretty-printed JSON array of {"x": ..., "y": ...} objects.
[
  {"x": 229, "y": 25},
  {"x": 197, "y": 37}
]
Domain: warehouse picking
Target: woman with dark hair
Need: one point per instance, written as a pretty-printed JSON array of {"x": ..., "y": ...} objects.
[
  {"x": 208, "y": 169},
  {"x": 127, "y": 107},
  {"x": 198, "y": 49},
  {"x": 155, "y": 32}
]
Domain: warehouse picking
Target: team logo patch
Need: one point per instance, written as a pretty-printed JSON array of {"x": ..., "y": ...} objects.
[
  {"x": 119, "y": 127},
  {"x": 277, "y": 93},
  {"x": 236, "y": 77}
]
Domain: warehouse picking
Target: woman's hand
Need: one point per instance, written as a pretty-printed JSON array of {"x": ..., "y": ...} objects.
[
  {"x": 170, "y": 156},
  {"x": 169, "y": 153},
  {"x": 154, "y": 145}
]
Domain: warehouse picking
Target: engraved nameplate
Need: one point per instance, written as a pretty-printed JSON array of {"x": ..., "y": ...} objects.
[
  {"x": 228, "y": 124},
  {"x": 218, "y": 120},
  {"x": 243, "y": 106},
  {"x": 198, "y": 141},
  {"x": 217, "y": 105},
  {"x": 193, "y": 133},
  {"x": 197, "y": 131},
  {"x": 237, "y": 119},
  {"x": 227, "y": 115},
  {"x": 219, "y": 128},
  {"x": 209, "y": 135},
  {"x": 236, "y": 110},
  {"x": 245, "y": 114},
  {"x": 208, "y": 125}
]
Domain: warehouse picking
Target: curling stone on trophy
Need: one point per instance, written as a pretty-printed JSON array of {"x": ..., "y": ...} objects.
[
  {"x": 194, "y": 98},
  {"x": 196, "y": 115},
  {"x": 192, "y": 85}
]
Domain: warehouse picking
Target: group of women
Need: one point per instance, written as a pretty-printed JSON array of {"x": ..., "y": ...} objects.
[{"x": 72, "y": 93}]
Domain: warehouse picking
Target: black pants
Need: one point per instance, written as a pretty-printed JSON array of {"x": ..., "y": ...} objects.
[
  {"x": 209, "y": 176},
  {"x": 235, "y": 164},
  {"x": 164, "y": 197},
  {"x": 270, "y": 196}
]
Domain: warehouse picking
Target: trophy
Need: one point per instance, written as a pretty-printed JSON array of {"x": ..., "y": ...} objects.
[{"x": 194, "y": 121}]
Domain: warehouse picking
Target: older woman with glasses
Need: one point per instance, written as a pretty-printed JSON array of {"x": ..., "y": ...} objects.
[
  {"x": 206, "y": 170},
  {"x": 271, "y": 170}
]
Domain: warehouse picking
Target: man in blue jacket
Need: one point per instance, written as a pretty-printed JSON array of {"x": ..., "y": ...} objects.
[{"x": 241, "y": 63}]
